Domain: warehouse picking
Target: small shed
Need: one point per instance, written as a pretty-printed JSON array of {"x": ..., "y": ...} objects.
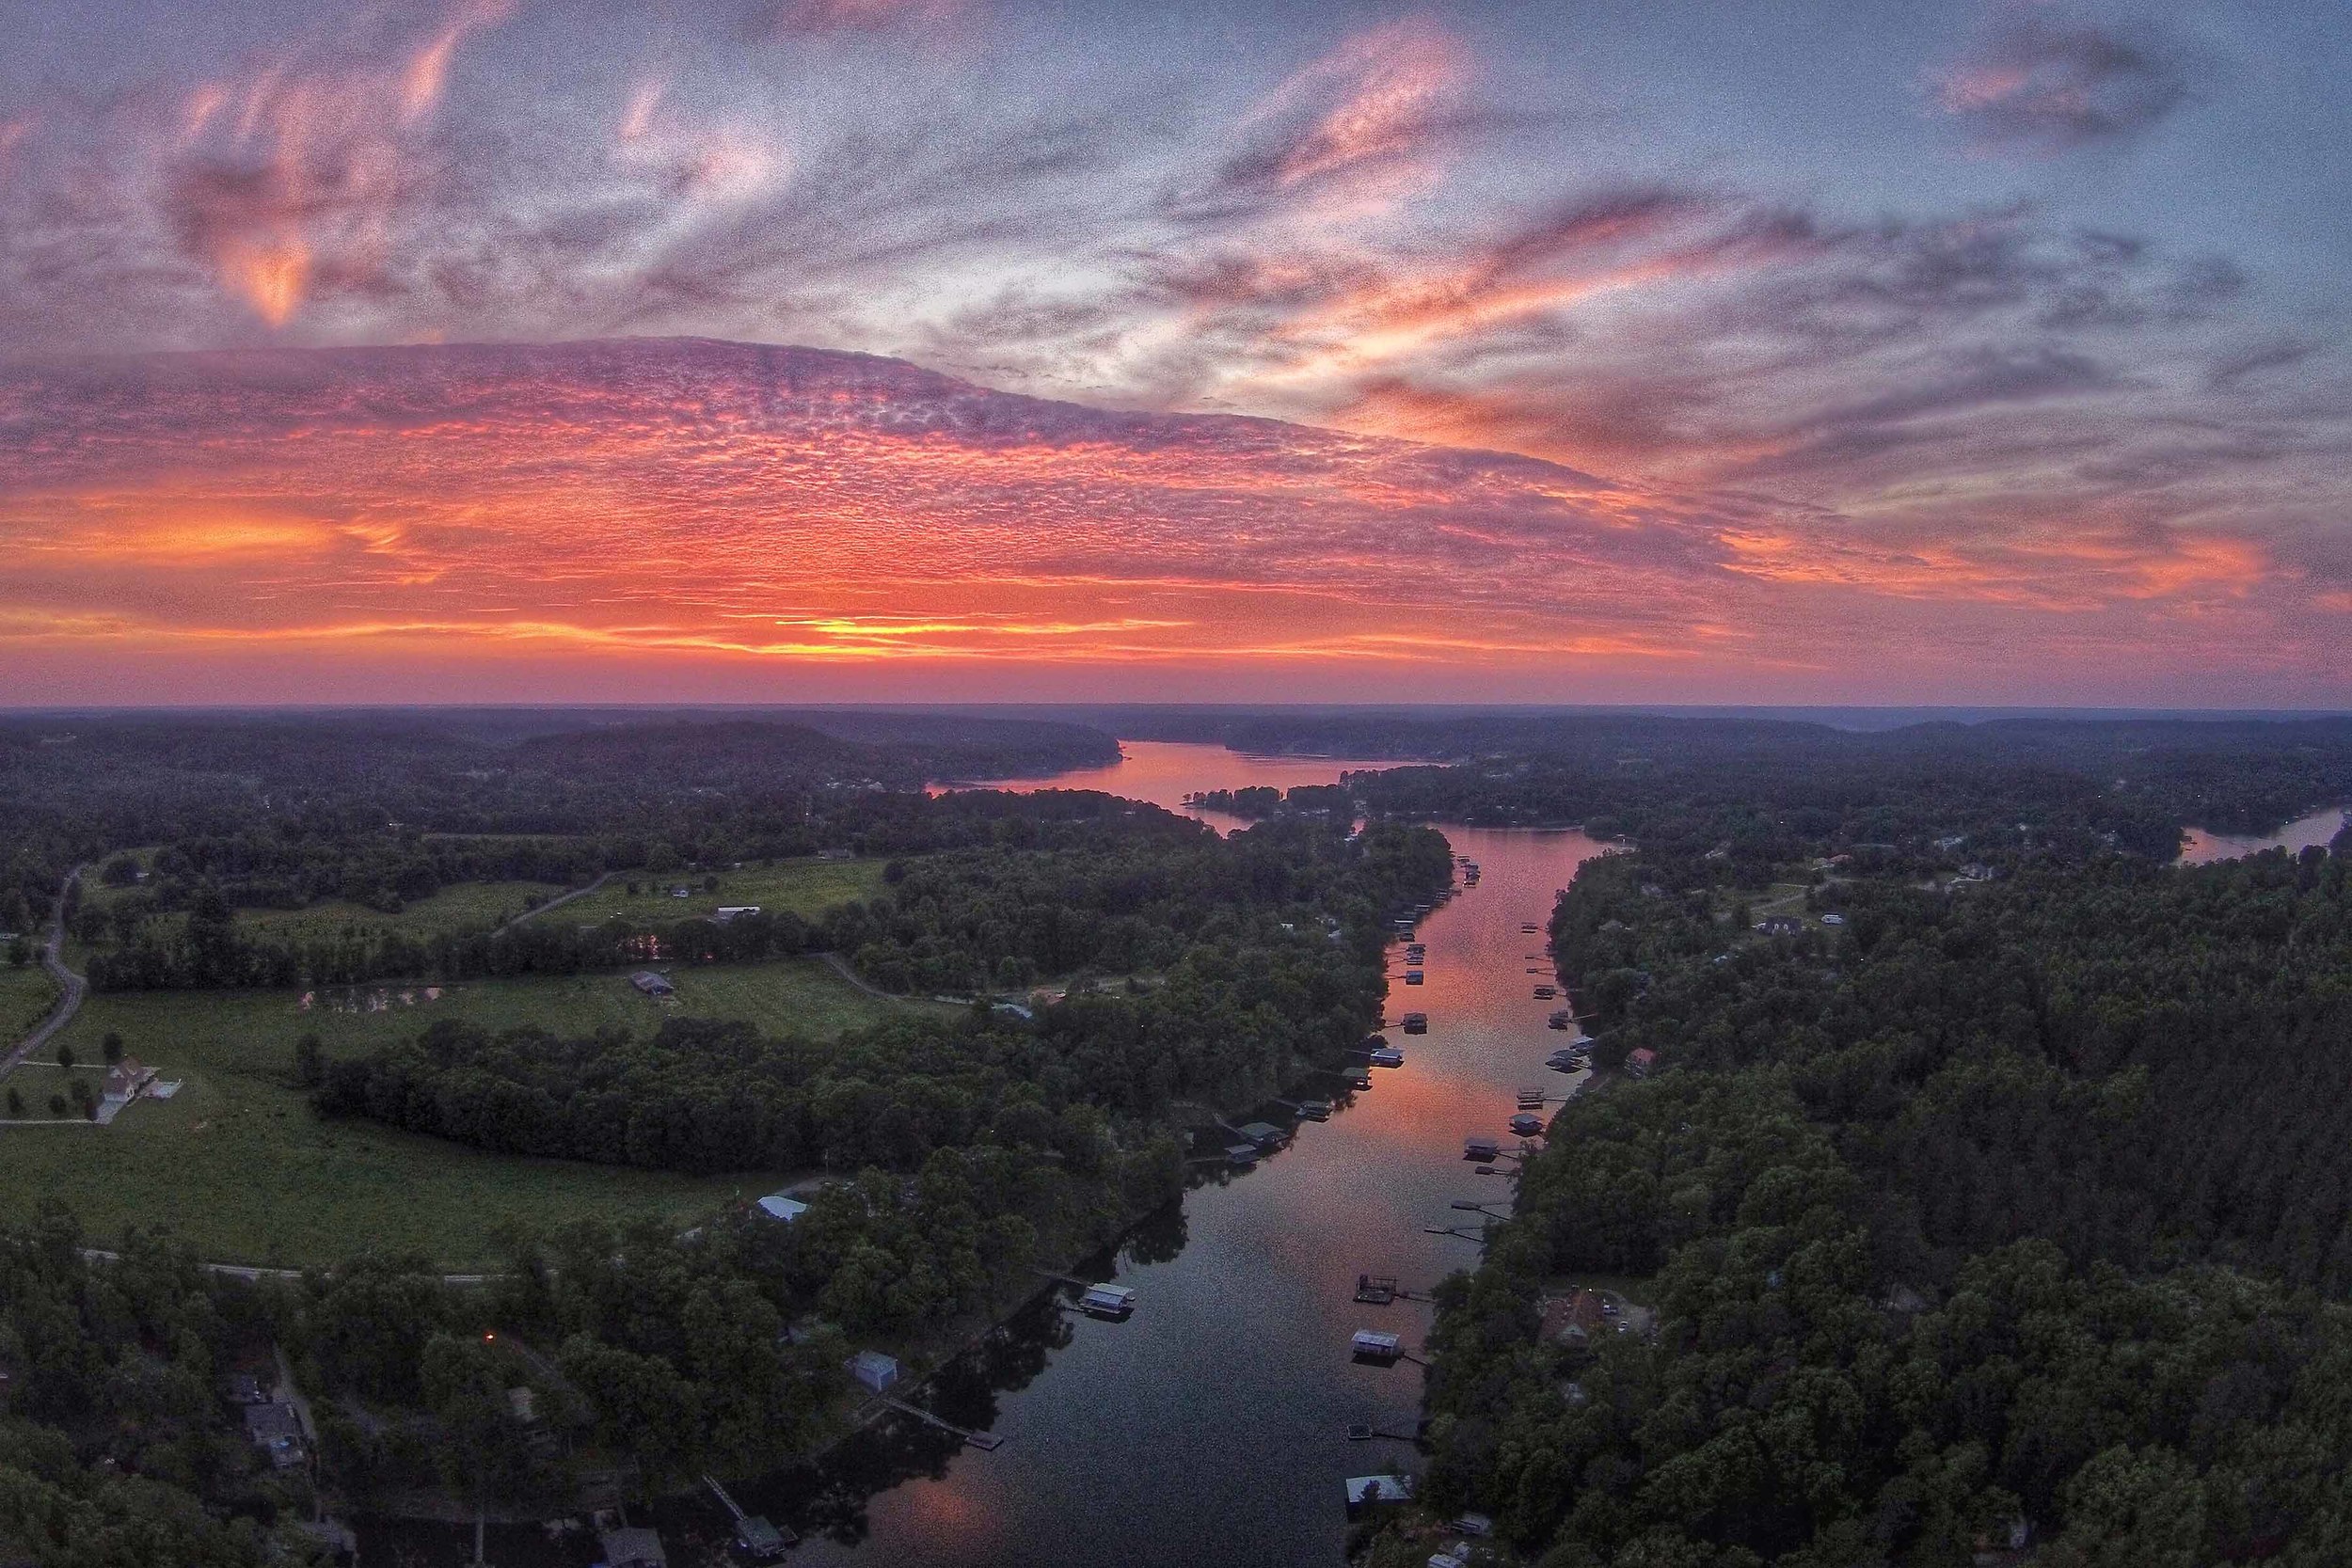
[
  {"x": 782, "y": 1206},
  {"x": 651, "y": 984},
  {"x": 874, "y": 1369},
  {"x": 632, "y": 1548}
]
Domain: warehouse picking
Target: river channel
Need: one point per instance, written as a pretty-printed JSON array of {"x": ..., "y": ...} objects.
[{"x": 1213, "y": 1425}]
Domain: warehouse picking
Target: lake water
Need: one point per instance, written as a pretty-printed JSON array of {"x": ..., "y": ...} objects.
[
  {"x": 1213, "y": 1426},
  {"x": 1164, "y": 772},
  {"x": 2198, "y": 846}
]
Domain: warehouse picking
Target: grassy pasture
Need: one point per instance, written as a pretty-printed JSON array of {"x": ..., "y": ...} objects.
[
  {"x": 238, "y": 1164},
  {"x": 804, "y": 887}
]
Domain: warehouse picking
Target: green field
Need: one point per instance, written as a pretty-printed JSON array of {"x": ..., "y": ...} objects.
[
  {"x": 26, "y": 994},
  {"x": 467, "y": 906},
  {"x": 804, "y": 887},
  {"x": 237, "y": 1163}
]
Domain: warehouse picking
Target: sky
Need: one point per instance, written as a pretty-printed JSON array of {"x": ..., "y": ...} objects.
[{"x": 791, "y": 350}]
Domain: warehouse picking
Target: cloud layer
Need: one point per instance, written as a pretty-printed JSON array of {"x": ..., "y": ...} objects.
[
  {"x": 730, "y": 513},
  {"x": 1987, "y": 439}
]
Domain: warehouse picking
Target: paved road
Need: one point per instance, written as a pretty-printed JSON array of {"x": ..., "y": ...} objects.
[
  {"x": 73, "y": 985},
  {"x": 555, "y": 903}
]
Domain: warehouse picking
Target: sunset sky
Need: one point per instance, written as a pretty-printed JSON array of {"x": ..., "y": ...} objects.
[{"x": 905, "y": 349}]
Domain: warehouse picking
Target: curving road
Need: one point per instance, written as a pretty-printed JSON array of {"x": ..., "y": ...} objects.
[
  {"x": 841, "y": 966},
  {"x": 555, "y": 903},
  {"x": 73, "y": 985}
]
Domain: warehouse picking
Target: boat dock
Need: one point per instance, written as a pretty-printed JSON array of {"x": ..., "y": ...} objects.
[
  {"x": 752, "y": 1533},
  {"x": 1362, "y": 1431},
  {"x": 1379, "y": 1290},
  {"x": 982, "y": 1440}
]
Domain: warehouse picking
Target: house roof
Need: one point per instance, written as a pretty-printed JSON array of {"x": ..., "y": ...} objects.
[
  {"x": 269, "y": 1421},
  {"x": 782, "y": 1206},
  {"x": 630, "y": 1548}
]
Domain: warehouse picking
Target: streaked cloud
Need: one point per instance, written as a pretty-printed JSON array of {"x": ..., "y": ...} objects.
[
  {"x": 2035, "y": 86},
  {"x": 719, "y": 509},
  {"x": 1728, "y": 365}
]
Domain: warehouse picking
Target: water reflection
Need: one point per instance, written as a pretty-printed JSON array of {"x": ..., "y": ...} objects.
[
  {"x": 1165, "y": 772},
  {"x": 1213, "y": 1425},
  {"x": 2200, "y": 847}
]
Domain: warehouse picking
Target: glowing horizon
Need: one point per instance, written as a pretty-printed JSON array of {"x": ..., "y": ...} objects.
[{"x": 1413, "y": 359}]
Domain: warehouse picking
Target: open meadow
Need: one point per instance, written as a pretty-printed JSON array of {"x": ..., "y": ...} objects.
[
  {"x": 803, "y": 887},
  {"x": 26, "y": 994},
  {"x": 463, "y": 907},
  {"x": 237, "y": 1163}
]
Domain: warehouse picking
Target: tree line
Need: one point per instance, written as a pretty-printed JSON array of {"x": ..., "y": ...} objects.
[{"x": 2019, "y": 1212}]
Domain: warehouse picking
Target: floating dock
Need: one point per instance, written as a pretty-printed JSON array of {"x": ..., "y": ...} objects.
[{"x": 1376, "y": 1290}]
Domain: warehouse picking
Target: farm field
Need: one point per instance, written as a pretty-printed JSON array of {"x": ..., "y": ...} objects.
[
  {"x": 465, "y": 906},
  {"x": 26, "y": 994},
  {"x": 237, "y": 1163},
  {"x": 805, "y": 887}
]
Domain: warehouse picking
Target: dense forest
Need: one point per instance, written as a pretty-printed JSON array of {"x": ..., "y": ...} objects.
[
  {"x": 2007, "y": 1216},
  {"x": 2015, "y": 1206},
  {"x": 1632, "y": 773},
  {"x": 132, "y": 949},
  {"x": 279, "y": 810},
  {"x": 1239, "y": 962},
  {"x": 663, "y": 1354}
]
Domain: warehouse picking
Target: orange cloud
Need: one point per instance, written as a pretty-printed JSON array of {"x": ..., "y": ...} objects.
[
  {"x": 297, "y": 173},
  {"x": 427, "y": 74},
  {"x": 696, "y": 506}
]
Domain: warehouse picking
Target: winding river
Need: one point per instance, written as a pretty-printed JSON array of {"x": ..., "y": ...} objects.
[{"x": 1214, "y": 1426}]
